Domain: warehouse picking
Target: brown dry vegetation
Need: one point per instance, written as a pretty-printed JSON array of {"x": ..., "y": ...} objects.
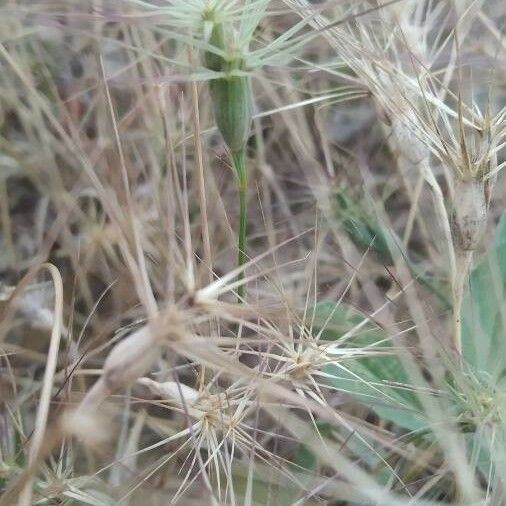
[{"x": 130, "y": 373}]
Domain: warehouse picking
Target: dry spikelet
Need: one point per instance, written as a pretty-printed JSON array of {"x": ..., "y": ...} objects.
[
  {"x": 474, "y": 181},
  {"x": 131, "y": 358},
  {"x": 135, "y": 355},
  {"x": 470, "y": 213}
]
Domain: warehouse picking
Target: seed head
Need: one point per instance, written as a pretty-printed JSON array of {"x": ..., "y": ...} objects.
[{"x": 230, "y": 94}]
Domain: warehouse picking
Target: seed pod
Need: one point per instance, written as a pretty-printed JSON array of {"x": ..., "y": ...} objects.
[
  {"x": 230, "y": 94},
  {"x": 469, "y": 213},
  {"x": 232, "y": 110},
  {"x": 131, "y": 358}
]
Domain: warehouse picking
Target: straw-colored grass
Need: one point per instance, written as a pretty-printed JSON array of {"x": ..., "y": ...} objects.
[{"x": 343, "y": 160}]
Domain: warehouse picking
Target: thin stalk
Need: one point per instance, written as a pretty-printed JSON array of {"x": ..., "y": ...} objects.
[
  {"x": 201, "y": 183},
  {"x": 6, "y": 221},
  {"x": 444, "y": 221},
  {"x": 464, "y": 260},
  {"x": 238, "y": 160},
  {"x": 201, "y": 177}
]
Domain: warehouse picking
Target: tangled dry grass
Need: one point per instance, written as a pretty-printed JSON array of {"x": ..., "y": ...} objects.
[{"x": 341, "y": 343}]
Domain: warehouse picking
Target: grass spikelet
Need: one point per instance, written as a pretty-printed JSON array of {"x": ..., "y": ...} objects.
[{"x": 232, "y": 105}]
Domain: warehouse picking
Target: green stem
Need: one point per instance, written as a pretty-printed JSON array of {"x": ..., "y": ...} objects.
[{"x": 238, "y": 159}]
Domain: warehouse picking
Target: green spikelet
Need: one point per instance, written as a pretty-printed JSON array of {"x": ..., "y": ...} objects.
[
  {"x": 232, "y": 110},
  {"x": 230, "y": 94}
]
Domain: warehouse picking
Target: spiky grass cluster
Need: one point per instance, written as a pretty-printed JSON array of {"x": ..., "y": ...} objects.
[{"x": 395, "y": 55}]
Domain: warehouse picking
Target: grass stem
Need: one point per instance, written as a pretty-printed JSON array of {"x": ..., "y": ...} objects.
[
  {"x": 464, "y": 261},
  {"x": 238, "y": 160}
]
